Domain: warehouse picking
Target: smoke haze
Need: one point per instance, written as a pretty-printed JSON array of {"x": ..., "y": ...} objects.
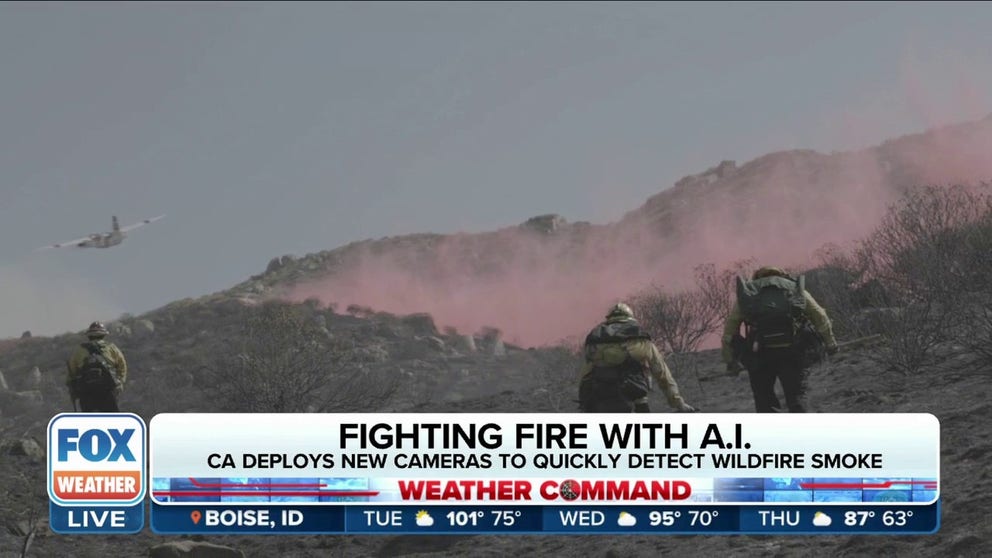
[{"x": 546, "y": 281}]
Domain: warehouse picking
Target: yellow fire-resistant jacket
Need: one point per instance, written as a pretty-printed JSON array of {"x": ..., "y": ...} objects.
[
  {"x": 645, "y": 352},
  {"x": 813, "y": 311},
  {"x": 110, "y": 352}
]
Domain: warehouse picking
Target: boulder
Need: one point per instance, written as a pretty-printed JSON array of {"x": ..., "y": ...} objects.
[
  {"x": 726, "y": 168},
  {"x": 465, "y": 343},
  {"x": 491, "y": 341},
  {"x": 277, "y": 263},
  {"x": 420, "y": 324},
  {"x": 313, "y": 265},
  {"x": 193, "y": 549},
  {"x": 28, "y": 447},
  {"x": 498, "y": 349},
  {"x": 3, "y": 383},
  {"x": 435, "y": 343},
  {"x": 33, "y": 379},
  {"x": 26, "y": 334},
  {"x": 256, "y": 287},
  {"x": 546, "y": 224},
  {"x": 387, "y": 330},
  {"x": 143, "y": 329}
]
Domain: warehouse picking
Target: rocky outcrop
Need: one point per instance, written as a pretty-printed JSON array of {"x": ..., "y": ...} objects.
[
  {"x": 464, "y": 343},
  {"x": 420, "y": 324},
  {"x": 28, "y": 447},
  {"x": 545, "y": 224},
  {"x": 275, "y": 264},
  {"x": 33, "y": 380},
  {"x": 142, "y": 329}
]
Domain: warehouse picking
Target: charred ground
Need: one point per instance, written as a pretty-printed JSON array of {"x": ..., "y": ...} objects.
[{"x": 442, "y": 373}]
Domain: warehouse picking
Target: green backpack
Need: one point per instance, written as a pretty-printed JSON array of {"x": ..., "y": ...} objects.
[
  {"x": 97, "y": 375},
  {"x": 616, "y": 372},
  {"x": 773, "y": 308}
]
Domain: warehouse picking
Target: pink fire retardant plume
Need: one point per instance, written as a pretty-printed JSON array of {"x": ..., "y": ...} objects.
[{"x": 540, "y": 287}]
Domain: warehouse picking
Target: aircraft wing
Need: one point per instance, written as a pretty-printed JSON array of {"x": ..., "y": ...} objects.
[
  {"x": 66, "y": 244},
  {"x": 141, "y": 224}
]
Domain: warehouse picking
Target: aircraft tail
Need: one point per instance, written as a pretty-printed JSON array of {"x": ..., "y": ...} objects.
[{"x": 117, "y": 226}]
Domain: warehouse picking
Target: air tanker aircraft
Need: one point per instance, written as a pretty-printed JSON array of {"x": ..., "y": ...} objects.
[{"x": 104, "y": 240}]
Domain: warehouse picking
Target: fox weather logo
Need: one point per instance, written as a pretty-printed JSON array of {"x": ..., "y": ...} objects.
[{"x": 96, "y": 459}]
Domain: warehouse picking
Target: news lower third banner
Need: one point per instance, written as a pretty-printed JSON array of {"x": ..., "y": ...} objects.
[{"x": 509, "y": 473}]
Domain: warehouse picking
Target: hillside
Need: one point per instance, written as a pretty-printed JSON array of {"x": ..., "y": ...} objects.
[
  {"x": 545, "y": 279},
  {"x": 540, "y": 282}
]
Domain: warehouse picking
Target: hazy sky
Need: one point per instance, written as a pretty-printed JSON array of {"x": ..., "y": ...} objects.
[{"x": 270, "y": 128}]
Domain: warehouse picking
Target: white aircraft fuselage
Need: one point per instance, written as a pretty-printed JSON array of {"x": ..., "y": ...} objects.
[{"x": 104, "y": 240}]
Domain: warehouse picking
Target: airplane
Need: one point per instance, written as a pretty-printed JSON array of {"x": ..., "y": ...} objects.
[{"x": 103, "y": 240}]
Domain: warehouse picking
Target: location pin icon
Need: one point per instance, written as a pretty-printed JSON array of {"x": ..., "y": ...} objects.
[{"x": 195, "y": 516}]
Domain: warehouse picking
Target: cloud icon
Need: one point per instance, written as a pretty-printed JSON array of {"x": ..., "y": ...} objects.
[
  {"x": 424, "y": 519},
  {"x": 626, "y": 520},
  {"x": 821, "y": 519}
]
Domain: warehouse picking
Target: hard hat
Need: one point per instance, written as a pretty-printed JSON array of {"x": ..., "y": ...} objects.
[
  {"x": 620, "y": 310},
  {"x": 96, "y": 329},
  {"x": 769, "y": 272}
]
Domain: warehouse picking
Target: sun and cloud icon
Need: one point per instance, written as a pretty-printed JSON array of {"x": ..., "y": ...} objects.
[
  {"x": 821, "y": 519},
  {"x": 626, "y": 520},
  {"x": 424, "y": 519}
]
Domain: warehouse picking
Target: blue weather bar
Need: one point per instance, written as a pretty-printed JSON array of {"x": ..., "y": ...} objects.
[{"x": 241, "y": 519}]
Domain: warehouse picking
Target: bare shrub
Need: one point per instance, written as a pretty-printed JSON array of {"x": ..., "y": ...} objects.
[
  {"x": 677, "y": 320},
  {"x": 925, "y": 248},
  {"x": 979, "y": 326},
  {"x": 976, "y": 332},
  {"x": 911, "y": 333},
  {"x": 838, "y": 286},
  {"x": 287, "y": 363},
  {"x": 683, "y": 320},
  {"x": 716, "y": 288},
  {"x": 930, "y": 256},
  {"x": 23, "y": 509}
]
